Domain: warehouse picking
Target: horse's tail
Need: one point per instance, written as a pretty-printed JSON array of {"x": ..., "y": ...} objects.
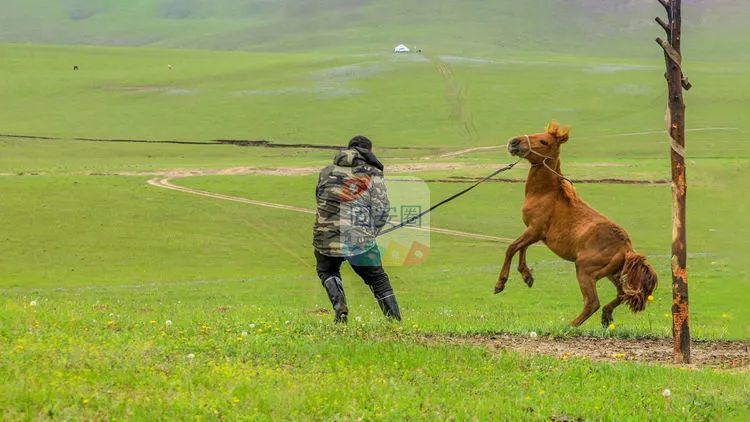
[{"x": 639, "y": 281}]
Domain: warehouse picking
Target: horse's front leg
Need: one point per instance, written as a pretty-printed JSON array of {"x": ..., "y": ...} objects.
[
  {"x": 528, "y": 278},
  {"x": 528, "y": 237}
]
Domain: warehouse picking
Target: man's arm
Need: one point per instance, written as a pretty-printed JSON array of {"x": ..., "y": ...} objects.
[{"x": 379, "y": 203}]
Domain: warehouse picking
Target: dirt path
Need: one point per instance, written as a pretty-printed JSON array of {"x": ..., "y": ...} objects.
[
  {"x": 292, "y": 171},
  {"x": 654, "y": 132},
  {"x": 647, "y": 132},
  {"x": 165, "y": 183},
  {"x": 732, "y": 355},
  {"x": 470, "y": 150},
  {"x": 231, "y": 171}
]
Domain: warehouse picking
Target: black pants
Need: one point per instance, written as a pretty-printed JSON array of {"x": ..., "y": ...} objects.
[{"x": 367, "y": 266}]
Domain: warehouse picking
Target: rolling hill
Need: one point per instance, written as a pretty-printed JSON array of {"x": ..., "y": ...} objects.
[{"x": 714, "y": 29}]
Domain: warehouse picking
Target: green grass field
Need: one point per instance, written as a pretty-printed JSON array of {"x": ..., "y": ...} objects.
[{"x": 107, "y": 259}]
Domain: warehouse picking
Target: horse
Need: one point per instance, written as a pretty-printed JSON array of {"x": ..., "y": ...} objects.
[{"x": 555, "y": 214}]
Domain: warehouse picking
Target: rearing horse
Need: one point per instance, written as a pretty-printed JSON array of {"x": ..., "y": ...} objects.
[{"x": 555, "y": 214}]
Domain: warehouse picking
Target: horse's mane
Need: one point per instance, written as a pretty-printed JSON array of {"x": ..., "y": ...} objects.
[
  {"x": 562, "y": 133},
  {"x": 568, "y": 190}
]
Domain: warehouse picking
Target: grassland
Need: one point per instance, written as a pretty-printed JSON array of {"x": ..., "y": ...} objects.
[
  {"x": 503, "y": 27},
  {"x": 108, "y": 259}
]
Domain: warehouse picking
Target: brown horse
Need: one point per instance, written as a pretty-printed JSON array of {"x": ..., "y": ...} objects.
[{"x": 555, "y": 214}]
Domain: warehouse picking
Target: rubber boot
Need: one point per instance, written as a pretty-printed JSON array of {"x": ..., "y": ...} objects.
[
  {"x": 335, "y": 290},
  {"x": 389, "y": 306}
]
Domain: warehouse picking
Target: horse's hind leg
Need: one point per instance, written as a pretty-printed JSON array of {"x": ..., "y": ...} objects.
[
  {"x": 528, "y": 278},
  {"x": 610, "y": 307},
  {"x": 587, "y": 282}
]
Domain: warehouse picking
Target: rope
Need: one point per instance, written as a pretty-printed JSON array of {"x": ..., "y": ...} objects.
[
  {"x": 671, "y": 52},
  {"x": 449, "y": 199},
  {"x": 676, "y": 147}
]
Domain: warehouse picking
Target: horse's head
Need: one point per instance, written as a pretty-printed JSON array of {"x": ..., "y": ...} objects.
[{"x": 540, "y": 146}]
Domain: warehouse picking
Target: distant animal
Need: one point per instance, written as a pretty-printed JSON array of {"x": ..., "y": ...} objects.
[
  {"x": 75, "y": 67},
  {"x": 555, "y": 214}
]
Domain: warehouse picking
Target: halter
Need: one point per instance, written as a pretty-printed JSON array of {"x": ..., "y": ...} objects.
[{"x": 544, "y": 161}]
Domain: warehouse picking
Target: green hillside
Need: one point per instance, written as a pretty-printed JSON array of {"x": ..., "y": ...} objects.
[{"x": 601, "y": 27}]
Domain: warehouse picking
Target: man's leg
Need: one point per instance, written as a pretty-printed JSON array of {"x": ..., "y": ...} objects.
[
  {"x": 329, "y": 272},
  {"x": 369, "y": 267}
]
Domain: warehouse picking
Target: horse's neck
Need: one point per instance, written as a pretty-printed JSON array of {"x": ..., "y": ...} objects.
[{"x": 541, "y": 180}]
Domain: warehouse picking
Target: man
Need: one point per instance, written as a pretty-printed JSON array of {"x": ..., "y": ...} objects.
[{"x": 352, "y": 208}]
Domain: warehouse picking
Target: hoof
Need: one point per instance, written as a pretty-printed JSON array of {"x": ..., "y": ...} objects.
[
  {"x": 606, "y": 320},
  {"x": 529, "y": 280},
  {"x": 500, "y": 286}
]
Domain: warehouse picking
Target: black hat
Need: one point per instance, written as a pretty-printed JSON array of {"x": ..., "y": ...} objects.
[{"x": 361, "y": 142}]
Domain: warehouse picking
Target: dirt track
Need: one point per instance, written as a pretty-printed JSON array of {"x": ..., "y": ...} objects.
[
  {"x": 732, "y": 355},
  {"x": 288, "y": 171},
  {"x": 165, "y": 183},
  {"x": 393, "y": 169}
]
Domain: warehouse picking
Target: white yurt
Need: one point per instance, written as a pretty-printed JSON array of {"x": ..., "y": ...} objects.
[{"x": 401, "y": 49}]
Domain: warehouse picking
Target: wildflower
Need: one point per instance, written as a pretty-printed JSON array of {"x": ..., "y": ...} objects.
[
  {"x": 532, "y": 334},
  {"x": 650, "y": 298},
  {"x": 286, "y": 322},
  {"x": 32, "y": 303},
  {"x": 244, "y": 334},
  {"x": 168, "y": 322},
  {"x": 618, "y": 355},
  {"x": 358, "y": 319},
  {"x": 152, "y": 322},
  {"x": 191, "y": 356},
  {"x": 611, "y": 327},
  {"x": 252, "y": 325},
  {"x": 666, "y": 393}
]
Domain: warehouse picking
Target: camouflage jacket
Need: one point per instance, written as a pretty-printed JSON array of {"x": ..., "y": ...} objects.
[{"x": 352, "y": 205}]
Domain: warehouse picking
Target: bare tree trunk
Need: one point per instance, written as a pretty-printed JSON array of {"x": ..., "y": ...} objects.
[{"x": 676, "y": 128}]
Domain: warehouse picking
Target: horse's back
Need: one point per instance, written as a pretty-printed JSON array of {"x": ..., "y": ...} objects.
[{"x": 576, "y": 228}]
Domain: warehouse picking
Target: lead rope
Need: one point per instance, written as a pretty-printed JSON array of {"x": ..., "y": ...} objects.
[{"x": 445, "y": 201}]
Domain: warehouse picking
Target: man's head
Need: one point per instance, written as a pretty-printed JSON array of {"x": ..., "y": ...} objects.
[{"x": 360, "y": 142}]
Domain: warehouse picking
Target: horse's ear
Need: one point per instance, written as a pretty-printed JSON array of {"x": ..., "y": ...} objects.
[
  {"x": 560, "y": 133},
  {"x": 563, "y": 134}
]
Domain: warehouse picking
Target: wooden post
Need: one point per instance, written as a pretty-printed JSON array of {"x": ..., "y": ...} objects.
[{"x": 675, "y": 118}]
